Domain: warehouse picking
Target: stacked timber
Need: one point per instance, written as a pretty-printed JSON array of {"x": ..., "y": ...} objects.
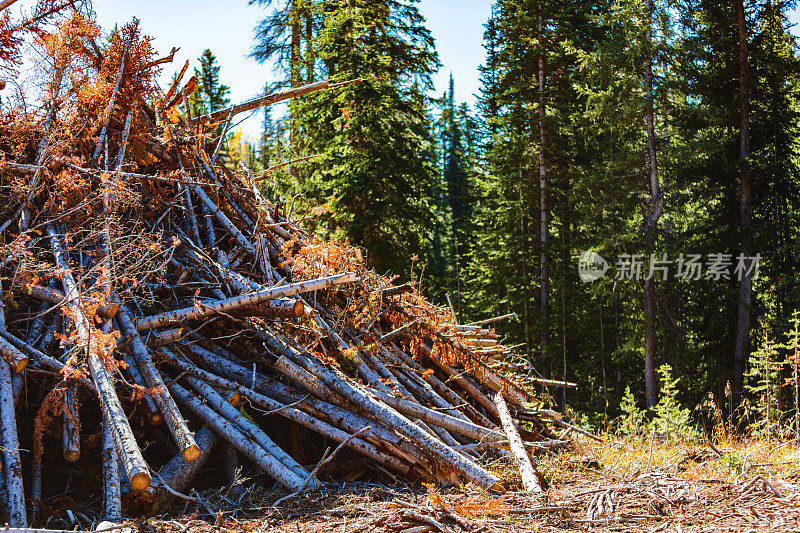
[{"x": 159, "y": 310}]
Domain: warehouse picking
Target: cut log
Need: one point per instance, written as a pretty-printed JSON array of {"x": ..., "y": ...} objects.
[
  {"x": 16, "y": 360},
  {"x": 269, "y": 100},
  {"x": 461, "y": 381},
  {"x": 172, "y": 416},
  {"x": 130, "y": 455},
  {"x": 12, "y": 466},
  {"x": 296, "y": 415},
  {"x": 339, "y": 383},
  {"x": 112, "y": 504},
  {"x": 178, "y": 473},
  {"x": 219, "y": 404},
  {"x": 245, "y": 300},
  {"x": 442, "y": 420},
  {"x": 448, "y": 394},
  {"x": 529, "y": 478},
  {"x": 156, "y": 339},
  {"x": 153, "y": 414},
  {"x": 244, "y": 443},
  {"x": 72, "y": 424}
]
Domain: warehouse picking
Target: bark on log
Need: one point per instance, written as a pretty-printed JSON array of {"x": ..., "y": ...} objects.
[
  {"x": 16, "y": 360},
  {"x": 442, "y": 420},
  {"x": 156, "y": 339},
  {"x": 529, "y": 478},
  {"x": 153, "y": 414},
  {"x": 244, "y": 443},
  {"x": 296, "y": 415},
  {"x": 112, "y": 504},
  {"x": 267, "y": 100},
  {"x": 172, "y": 416},
  {"x": 248, "y": 427},
  {"x": 339, "y": 383},
  {"x": 12, "y": 466},
  {"x": 178, "y": 473},
  {"x": 443, "y": 390},
  {"x": 71, "y": 425},
  {"x": 459, "y": 380},
  {"x": 245, "y": 300}
]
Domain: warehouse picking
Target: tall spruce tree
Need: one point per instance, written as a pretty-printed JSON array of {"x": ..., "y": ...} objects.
[
  {"x": 210, "y": 94},
  {"x": 372, "y": 171}
]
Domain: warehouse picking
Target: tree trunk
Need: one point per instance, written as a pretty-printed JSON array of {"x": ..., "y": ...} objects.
[
  {"x": 523, "y": 227},
  {"x": 745, "y": 287},
  {"x": 544, "y": 313},
  {"x": 309, "y": 45},
  {"x": 529, "y": 478},
  {"x": 651, "y": 221}
]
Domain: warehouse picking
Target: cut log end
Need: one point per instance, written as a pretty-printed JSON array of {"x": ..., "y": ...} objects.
[
  {"x": 191, "y": 453},
  {"x": 235, "y": 399},
  {"x": 140, "y": 481},
  {"x": 20, "y": 365},
  {"x": 108, "y": 311},
  {"x": 72, "y": 455},
  {"x": 299, "y": 309},
  {"x": 156, "y": 419}
]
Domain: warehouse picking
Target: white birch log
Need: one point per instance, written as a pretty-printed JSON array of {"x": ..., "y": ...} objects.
[
  {"x": 264, "y": 101},
  {"x": 315, "y": 424},
  {"x": 156, "y": 339},
  {"x": 129, "y": 452},
  {"x": 72, "y": 424},
  {"x": 12, "y": 466},
  {"x": 446, "y": 456},
  {"x": 178, "y": 473},
  {"x": 42, "y": 358},
  {"x": 112, "y": 504},
  {"x": 244, "y": 443},
  {"x": 442, "y": 420},
  {"x": 222, "y": 218},
  {"x": 329, "y": 406},
  {"x": 443, "y": 390},
  {"x": 16, "y": 360},
  {"x": 172, "y": 416},
  {"x": 529, "y": 479},
  {"x": 154, "y": 416},
  {"x": 245, "y": 300},
  {"x": 461, "y": 381},
  {"x": 224, "y": 408}
]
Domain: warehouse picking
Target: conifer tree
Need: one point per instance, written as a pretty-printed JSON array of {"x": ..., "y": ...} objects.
[
  {"x": 210, "y": 94},
  {"x": 373, "y": 171}
]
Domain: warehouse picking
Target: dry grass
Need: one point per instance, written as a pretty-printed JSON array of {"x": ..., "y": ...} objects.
[{"x": 618, "y": 485}]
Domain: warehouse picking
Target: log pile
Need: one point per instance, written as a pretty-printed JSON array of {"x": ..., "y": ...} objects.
[{"x": 158, "y": 309}]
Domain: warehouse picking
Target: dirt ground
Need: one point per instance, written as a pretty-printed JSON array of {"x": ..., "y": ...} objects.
[{"x": 613, "y": 486}]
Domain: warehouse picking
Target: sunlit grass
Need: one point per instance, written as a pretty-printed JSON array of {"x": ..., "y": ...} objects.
[{"x": 727, "y": 460}]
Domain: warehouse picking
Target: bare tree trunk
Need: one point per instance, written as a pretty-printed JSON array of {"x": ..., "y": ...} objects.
[
  {"x": 309, "y": 45},
  {"x": 544, "y": 313},
  {"x": 651, "y": 221},
  {"x": 523, "y": 223},
  {"x": 745, "y": 287}
]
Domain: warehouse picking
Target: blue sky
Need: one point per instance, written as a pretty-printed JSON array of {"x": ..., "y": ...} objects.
[{"x": 194, "y": 25}]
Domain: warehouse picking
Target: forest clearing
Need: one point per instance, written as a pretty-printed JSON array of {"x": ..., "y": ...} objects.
[{"x": 200, "y": 334}]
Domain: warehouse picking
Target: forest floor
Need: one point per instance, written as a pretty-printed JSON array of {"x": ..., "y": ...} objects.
[{"x": 618, "y": 485}]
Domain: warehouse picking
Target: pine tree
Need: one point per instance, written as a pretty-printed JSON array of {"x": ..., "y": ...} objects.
[
  {"x": 456, "y": 129},
  {"x": 373, "y": 171},
  {"x": 210, "y": 94}
]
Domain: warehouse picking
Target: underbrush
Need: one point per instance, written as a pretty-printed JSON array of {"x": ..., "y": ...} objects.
[{"x": 730, "y": 460}]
